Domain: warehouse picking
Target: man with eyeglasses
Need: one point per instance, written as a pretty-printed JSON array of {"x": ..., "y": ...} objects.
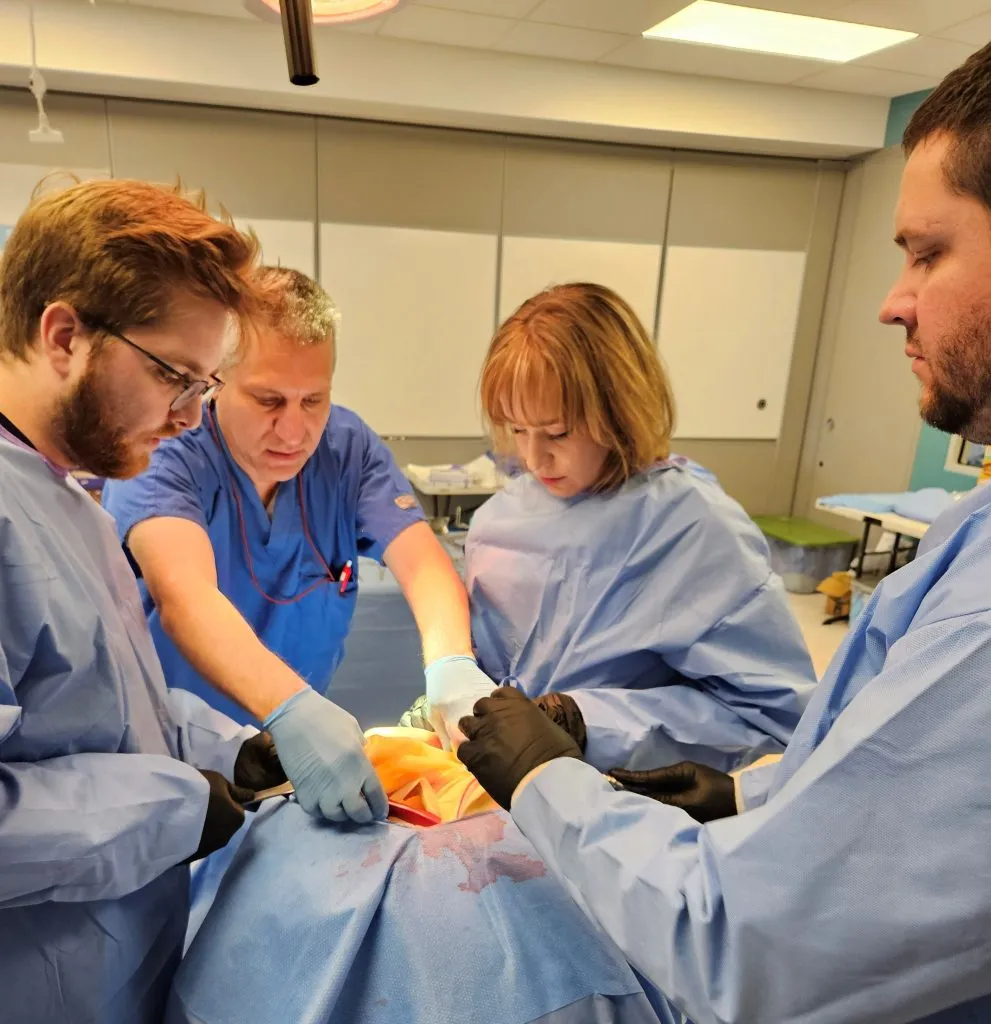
[
  {"x": 247, "y": 533},
  {"x": 189, "y": 392},
  {"x": 116, "y": 303}
]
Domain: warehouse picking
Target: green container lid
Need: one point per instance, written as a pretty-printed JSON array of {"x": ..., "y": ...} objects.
[{"x": 801, "y": 532}]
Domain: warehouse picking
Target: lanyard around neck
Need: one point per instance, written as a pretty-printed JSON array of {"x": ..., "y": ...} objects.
[{"x": 328, "y": 576}]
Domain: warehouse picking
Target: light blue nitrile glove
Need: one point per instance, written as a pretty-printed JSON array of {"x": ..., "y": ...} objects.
[
  {"x": 454, "y": 684},
  {"x": 319, "y": 745}
]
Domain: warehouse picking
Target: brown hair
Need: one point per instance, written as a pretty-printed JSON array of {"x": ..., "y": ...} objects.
[
  {"x": 960, "y": 107},
  {"x": 581, "y": 349},
  {"x": 118, "y": 252}
]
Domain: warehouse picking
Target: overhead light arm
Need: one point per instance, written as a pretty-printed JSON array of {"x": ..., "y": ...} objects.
[
  {"x": 297, "y": 29},
  {"x": 326, "y": 12}
]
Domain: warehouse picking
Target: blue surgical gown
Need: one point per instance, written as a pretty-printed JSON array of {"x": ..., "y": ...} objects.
[
  {"x": 655, "y": 607},
  {"x": 100, "y": 801},
  {"x": 859, "y": 888},
  {"x": 355, "y": 501}
]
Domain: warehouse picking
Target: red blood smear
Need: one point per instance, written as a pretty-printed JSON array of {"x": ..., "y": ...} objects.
[{"x": 471, "y": 841}]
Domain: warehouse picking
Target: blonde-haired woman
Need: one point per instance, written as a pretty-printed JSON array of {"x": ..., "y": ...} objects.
[{"x": 615, "y": 583}]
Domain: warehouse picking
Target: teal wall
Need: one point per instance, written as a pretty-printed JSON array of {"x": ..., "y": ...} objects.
[
  {"x": 930, "y": 455},
  {"x": 899, "y": 113},
  {"x": 930, "y": 459}
]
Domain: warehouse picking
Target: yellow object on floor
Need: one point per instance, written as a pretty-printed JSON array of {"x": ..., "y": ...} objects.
[{"x": 415, "y": 772}]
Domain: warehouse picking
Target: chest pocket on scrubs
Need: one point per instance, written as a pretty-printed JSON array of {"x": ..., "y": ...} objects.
[{"x": 319, "y": 624}]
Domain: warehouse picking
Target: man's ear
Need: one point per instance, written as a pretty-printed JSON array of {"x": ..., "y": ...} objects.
[{"x": 60, "y": 336}]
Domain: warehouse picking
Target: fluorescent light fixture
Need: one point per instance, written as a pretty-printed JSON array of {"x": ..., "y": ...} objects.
[
  {"x": 327, "y": 12},
  {"x": 794, "y": 35}
]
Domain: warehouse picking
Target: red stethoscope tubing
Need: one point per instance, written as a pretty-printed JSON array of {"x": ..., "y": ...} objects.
[{"x": 328, "y": 577}]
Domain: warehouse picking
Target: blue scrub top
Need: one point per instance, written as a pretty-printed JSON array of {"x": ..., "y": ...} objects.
[{"x": 356, "y": 502}]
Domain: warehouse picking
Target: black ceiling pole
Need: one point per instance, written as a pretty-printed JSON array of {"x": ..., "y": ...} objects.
[{"x": 297, "y": 28}]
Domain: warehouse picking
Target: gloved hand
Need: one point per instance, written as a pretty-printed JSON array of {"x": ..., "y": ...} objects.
[
  {"x": 705, "y": 793},
  {"x": 563, "y": 710},
  {"x": 320, "y": 745},
  {"x": 507, "y": 737},
  {"x": 454, "y": 684},
  {"x": 224, "y": 814},
  {"x": 258, "y": 766},
  {"x": 415, "y": 716}
]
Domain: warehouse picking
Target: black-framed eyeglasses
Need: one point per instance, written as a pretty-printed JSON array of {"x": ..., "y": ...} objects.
[{"x": 192, "y": 389}]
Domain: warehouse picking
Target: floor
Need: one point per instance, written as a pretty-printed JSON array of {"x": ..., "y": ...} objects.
[{"x": 821, "y": 640}]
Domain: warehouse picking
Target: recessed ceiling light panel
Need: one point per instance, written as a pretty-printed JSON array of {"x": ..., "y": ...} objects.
[
  {"x": 327, "y": 12},
  {"x": 792, "y": 35}
]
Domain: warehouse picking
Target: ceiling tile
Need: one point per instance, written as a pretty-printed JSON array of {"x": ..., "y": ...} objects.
[
  {"x": 365, "y": 27},
  {"x": 214, "y": 8},
  {"x": 452, "y": 28},
  {"x": 559, "y": 41},
  {"x": 922, "y": 16},
  {"x": 924, "y": 56},
  {"x": 977, "y": 31},
  {"x": 504, "y": 8},
  {"x": 630, "y": 17},
  {"x": 717, "y": 61},
  {"x": 866, "y": 81},
  {"x": 810, "y": 8}
]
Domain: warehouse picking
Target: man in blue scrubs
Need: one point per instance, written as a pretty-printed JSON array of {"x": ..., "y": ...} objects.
[
  {"x": 247, "y": 533},
  {"x": 855, "y": 883}
]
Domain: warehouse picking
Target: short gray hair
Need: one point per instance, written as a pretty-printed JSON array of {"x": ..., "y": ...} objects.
[{"x": 296, "y": 306}]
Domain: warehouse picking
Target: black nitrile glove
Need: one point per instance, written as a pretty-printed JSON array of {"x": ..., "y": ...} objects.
[
  {"x": 507, "y": 737},
  {"x": 706, "y": 794},
  {"x": 224, "y": 814},
  {"x": 563, "y": 710},
  {"x": 258, "y": 766}
]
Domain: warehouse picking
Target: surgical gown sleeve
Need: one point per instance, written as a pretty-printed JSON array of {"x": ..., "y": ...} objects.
[
  {"x": 744, "y": 684},
  {"x": 95, "y": 826},
  {"x": 386, "y": 505},
  {"x": 76, "y": 825},
  {"x": 91, "y": 826},
  {"x": 753, "y": 785},
  {"x": 858, "y": 892},
  {"x": 208, "y": 739}
]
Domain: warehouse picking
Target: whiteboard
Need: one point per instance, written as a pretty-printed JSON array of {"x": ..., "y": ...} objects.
[
  {"x": 727, "y": 331},
  {"x": 531, "y": 264},
  {"x": 288, "y": 243},
  {"x": 417, "y": 310}
]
